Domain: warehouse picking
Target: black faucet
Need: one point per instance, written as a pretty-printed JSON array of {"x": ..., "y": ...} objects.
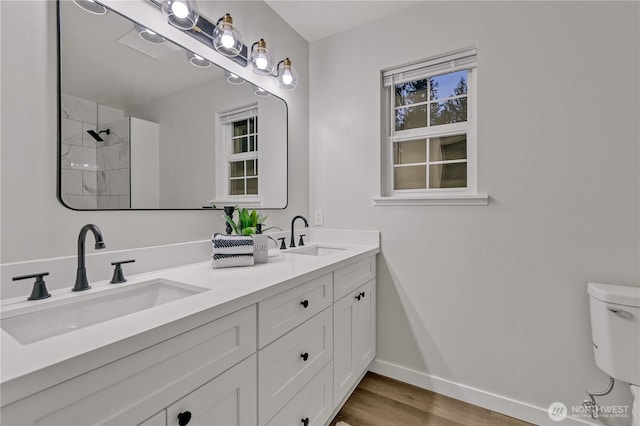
[
  {"x": 81, "y": 275},
  {"x": 306, "y": 225}
]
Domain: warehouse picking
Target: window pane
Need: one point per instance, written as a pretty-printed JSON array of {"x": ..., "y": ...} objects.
[
  {"x": 236, "y": 187},
  {"x": 240, "y": 128},
  {"x": 448, "y": 148},
  {"x": 240, "y": 145},
  {"x": 411, "y": 117},
  {"x": 412, "y": 92},
  {"x": 448, "y": 175},
  {"x": 251, "y": 126},
  {"x": 447, "y": 85},
  {"x": 411, "y": 177},
  {"x": 236, "y": 169},
  {"x": 252, "y": 186},
  {"x": 451, "y": 111},
  {"x": 250, "y": 168},
  {"x": 411, "y": 152}
]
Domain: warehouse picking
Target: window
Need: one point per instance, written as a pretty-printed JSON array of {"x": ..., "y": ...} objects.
[
  {"x": 240, "y": 130},
  {"x": 430, "y": 123}
]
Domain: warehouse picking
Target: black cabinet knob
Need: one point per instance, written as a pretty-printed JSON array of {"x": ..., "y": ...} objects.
[
  {"x": 304, "y": 356},
  {"x": 360, "y": 295},
  {"x": 304, "y": 303},
  {"x": 184, "y": 418},
  {"x": 305, "y": 421}
]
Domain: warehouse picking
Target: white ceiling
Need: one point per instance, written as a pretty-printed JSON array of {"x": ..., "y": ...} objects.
[{"x": 318, "y": 19}]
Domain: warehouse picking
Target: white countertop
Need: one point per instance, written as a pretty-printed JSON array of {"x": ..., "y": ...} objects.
[{"x": 29, "y": 368}]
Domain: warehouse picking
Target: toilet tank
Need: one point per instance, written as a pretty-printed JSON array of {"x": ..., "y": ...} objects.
[{"x": 615, "y": 329}]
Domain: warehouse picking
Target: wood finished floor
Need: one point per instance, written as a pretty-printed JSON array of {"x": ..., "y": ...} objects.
[{"x": 381, "y": 401}]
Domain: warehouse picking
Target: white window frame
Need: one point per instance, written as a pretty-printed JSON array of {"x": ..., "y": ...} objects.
[
  {"x": 465, "y": 59},
  {"x": 224, "y": 124}
]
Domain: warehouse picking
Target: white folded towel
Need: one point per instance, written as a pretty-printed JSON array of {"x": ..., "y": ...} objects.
[
  {"x": 231, "y": 260},
  {"x": 232, "y": 244}
]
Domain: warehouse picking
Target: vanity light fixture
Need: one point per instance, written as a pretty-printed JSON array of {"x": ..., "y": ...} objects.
[
  {"x": 261, "y": 58},
  {"x": 226, "y": 37},
  {"x": 259, "y": 91},
  {"x": 182, "y": 14},
  {"x": 149, "y": 36},
  {"x": 91, "y": 6},
  {"x": 287, "y": 76},
  {"x": 197, "y": 60},
  {"x": 232, "y": 78}
]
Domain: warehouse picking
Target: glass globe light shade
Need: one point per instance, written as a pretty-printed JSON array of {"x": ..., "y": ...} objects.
[
  {"x": 226, "y": 37},
  {"x": 261, "y": 59},
  {"x": 287, "y": 76},
  {"x": 182, "y": 14}
]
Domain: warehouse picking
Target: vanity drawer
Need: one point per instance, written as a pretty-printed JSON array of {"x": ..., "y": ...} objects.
[
  {"x": 282, "y": 368},
  {"x": 285, "y": 311},
  {"x": 133, "y": 388},
  {"x": 313, "y": 402},
  {"x": 347, "y": 279}
]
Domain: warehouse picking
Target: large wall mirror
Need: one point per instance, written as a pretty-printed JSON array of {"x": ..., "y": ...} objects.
[{"x": 146, "y": 124}]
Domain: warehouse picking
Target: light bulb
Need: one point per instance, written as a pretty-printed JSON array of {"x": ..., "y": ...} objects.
[
  {"x": 227, "y": 39},
  {"x": 261, "y": 62},
  {"x": 180, "y": 9},
  {"x": 287, "y": 78}
]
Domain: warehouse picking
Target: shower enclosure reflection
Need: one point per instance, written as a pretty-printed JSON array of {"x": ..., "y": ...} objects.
[{"x": 146, "y": 124}]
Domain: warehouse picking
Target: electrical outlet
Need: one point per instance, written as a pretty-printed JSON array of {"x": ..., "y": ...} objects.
[{"x": 318, "y": 219}]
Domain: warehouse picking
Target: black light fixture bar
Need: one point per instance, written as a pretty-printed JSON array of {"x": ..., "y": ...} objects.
[{"x": 203, "y": 32}]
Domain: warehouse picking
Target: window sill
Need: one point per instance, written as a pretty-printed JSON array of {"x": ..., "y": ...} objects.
[{"x": 433, "y": 200}]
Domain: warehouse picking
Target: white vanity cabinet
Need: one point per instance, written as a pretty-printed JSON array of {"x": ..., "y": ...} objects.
[
  {"x": 289, "y": 358},
  {"x": 354, "y": 337}
]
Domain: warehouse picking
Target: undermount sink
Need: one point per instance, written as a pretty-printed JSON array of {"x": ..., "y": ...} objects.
[
  {"x": 315, "y": 250},
  {"x": 32, "y": 324}
]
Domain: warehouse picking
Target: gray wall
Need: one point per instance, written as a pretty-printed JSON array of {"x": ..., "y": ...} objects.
[
  {"x": 34, "y": 224},
  {"x": 494, "y": 297}
]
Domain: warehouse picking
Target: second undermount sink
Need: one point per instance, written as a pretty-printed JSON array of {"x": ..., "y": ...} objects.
[
  {"x": 32, "y": 324},
  {"x": 316, "y": 250}
]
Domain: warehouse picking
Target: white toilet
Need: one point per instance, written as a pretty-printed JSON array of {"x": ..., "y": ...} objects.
[{"x": 615, "y": 328}]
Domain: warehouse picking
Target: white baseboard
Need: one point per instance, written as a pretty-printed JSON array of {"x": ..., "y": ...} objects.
[{"x": 498, "y": 403}]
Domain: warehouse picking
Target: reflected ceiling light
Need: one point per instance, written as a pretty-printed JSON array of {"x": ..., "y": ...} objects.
[
  {"x": 197, "y": 60},
  {"x": 148, "y": 35},
  {"x": 226, "y": 37},
  {"x": 91, "y": 6},
  {"x": 232, "y": 78},
  {"x": 287, "y": 76},
  {"x": 182, "y": 14},
  {"x": 261, "y": 58},
  {"x": 259, "y": 91}
]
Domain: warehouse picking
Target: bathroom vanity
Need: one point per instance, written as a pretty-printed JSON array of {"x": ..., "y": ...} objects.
[{"x": 283, "y": 343}]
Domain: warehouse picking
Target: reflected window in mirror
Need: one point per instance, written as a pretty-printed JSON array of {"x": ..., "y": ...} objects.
[{"x": 240, "y": 130}]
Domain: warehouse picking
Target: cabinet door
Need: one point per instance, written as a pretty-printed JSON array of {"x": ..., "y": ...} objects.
[
  {"x": 159, "y": 419},
  {"x": 228, "y": 400},
  {"x": 354, "y": 338}
]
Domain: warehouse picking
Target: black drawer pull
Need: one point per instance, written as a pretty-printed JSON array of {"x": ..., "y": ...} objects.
[
  {"x": 304, "y": 356},
  {"x": 360, "y": 295},
  {"x": 304, "y": 303},
  {"x": 305, "y": 421},
  {"x": 184, "y": 418}
]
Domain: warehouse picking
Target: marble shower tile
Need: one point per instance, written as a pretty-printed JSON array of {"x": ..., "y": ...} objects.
[
  {"x": 90, "y": 183},
  {"x": 78, "y": 157},
  {"x": 81, "y": 202},
  {"x": 71, "y": 182},
  {"x": 79, "y": 109},
  {"x": 71, "y": 132}
]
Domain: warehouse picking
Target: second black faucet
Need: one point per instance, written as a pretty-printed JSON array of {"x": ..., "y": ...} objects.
[{"x": 293, "y": 221}]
